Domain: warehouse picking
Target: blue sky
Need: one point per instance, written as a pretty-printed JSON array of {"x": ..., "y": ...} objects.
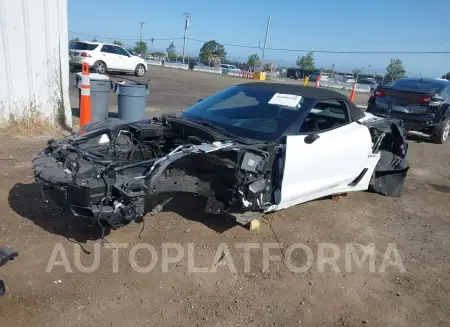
[{"x": 338, "y": 25}]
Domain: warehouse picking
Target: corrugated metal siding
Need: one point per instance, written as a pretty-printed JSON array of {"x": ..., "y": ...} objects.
[{"x": 34, "y": 66}]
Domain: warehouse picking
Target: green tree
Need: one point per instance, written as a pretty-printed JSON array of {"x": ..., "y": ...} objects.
[
  {"x": 395, "y": 69},
  {"x": 140, "y": 47},
  {"x": 74, "y": 40},
  {"x": 119, "y": 43},
  {"x": 94, "y": 39},
  {"x": 158, "y": 54},
  {"x": 446, "y": 76},
  {"x": 212, "y": 48},
  {"x": 253, "y": 59},
  {"x": 306, "y": 62}
]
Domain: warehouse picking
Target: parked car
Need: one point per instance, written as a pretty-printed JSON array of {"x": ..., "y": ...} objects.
[
  {"x": 369, "y": 81},
  {"x": 105, "y": 57},
  {"x": 250, "y": 149},
  {"x": 313, "y": 76},
  {"x": 292, "y": 73},
  {"x": 422, "y": 104},
  {"x": 349, "y": 79},
  {"x": 226, "y": 69}
]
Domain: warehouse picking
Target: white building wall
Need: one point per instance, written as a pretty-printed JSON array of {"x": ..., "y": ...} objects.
[{"x": 34, "y": 59}]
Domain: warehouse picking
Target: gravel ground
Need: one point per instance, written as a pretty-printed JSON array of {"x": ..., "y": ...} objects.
[{"x": 115, "y": 294}]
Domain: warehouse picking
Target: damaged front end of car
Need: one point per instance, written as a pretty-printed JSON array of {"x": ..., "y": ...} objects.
[{"x": 105, "y": 172}]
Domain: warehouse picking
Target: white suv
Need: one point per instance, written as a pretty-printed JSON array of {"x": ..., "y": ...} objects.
[{"x": 105, "y": 57}]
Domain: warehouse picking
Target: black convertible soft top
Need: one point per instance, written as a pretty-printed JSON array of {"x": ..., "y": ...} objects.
[{"x": 309, "y": 92}]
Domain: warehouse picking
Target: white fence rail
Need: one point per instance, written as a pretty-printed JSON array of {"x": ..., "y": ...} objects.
[
  {"x": 177, "y": 65},
  {"x": 364, "y": 88},
  {"x": 206, "y": 69},
  {"x": 153, "y": 62}
]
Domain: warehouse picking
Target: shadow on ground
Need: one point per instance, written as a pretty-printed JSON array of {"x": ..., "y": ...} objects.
[
  {"x": 441, "y": 188},
  {"x": 418, "y": 138},
  {"x": 191, "y": 207},
  {"x": 26, "y": 200}
]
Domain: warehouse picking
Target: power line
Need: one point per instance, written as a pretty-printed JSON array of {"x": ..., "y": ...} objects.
[
  {"x": 123, "y": 39},
  {"x": 273, "y": 49},
  {"x": 228, "y": 44},
  {"x": 360, "y": 52},
  {"x": 328, "y": 51}
]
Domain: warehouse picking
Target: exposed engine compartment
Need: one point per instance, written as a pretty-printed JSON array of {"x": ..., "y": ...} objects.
[{"x": 105, "y": 172}]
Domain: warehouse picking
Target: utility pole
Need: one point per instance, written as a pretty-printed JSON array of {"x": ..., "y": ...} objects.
[
  {"x": 265, "y": 43},
  {"x": 368, "y": 69},
  {"x": 186, "y": 26},
  {"x": 140, "y": 34}
]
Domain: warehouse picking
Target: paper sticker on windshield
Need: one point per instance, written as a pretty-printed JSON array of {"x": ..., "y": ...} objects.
[{"x": 288, "y": 100}]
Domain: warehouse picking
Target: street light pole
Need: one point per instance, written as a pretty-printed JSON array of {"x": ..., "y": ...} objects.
[
  {"x": 265, "y": 43},
  {"x": 186, "y": 26},
  {"x": 140, "y": 34}
]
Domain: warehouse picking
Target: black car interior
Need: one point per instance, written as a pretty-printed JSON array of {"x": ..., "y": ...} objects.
[{"x": 326, "y": 115}]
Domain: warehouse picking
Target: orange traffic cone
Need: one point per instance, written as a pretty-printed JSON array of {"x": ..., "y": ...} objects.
[
  {"x": 318, "y": 81},
  {"x": 85, "y": 99},
  {"x": 352, "y": 95}
]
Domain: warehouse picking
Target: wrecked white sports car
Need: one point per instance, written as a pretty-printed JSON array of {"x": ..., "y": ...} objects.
[{"x": 250, "y": 149}]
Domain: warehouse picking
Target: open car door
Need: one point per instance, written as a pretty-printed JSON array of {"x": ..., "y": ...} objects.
[{"x": 320, "y": 163}]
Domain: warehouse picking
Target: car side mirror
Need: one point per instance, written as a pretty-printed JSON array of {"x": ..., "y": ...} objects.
[
  {"x": 200, "y": 100},
  {"x": 310, "y": 138}
]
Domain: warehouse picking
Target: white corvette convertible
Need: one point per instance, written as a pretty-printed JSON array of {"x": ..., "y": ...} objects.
[{"x": 250, "y": 149}]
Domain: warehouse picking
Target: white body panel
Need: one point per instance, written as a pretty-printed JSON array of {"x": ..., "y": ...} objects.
[
  {"x": 327, "y": 165},
  {"x": 111, "y": 60}
]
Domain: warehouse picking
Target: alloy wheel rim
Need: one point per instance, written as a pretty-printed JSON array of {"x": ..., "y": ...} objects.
[{"x": 101, "y": 68}]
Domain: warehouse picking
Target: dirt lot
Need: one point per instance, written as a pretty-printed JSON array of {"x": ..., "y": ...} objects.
[{"x": 418, "y": 223}]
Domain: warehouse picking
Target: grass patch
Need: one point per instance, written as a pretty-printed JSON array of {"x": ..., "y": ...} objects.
[{"x": 31, "y": 122}]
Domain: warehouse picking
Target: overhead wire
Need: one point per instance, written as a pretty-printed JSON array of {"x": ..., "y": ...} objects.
[
  {"x": 124, "y": 39},
  {"x": 267, "y": 48}
]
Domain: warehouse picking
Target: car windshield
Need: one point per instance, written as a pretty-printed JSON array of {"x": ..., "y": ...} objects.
[
  {"x": 419, "y": 85},
  {"x": 251, "y": 113},
  {"x": 84, "y": 46}
]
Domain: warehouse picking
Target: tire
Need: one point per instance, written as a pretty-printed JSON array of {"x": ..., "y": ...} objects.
[
  {"x": 100, "y": 67},
  {"x": 140, "y": 70},
  {"x": 441, "y": 132}
]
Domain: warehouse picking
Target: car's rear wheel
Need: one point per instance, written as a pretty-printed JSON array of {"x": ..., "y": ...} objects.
[
  {"x": 441, "y": 132},
  {"x": 140, "y": 70},
  {"x": 100, "y": 67}
]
